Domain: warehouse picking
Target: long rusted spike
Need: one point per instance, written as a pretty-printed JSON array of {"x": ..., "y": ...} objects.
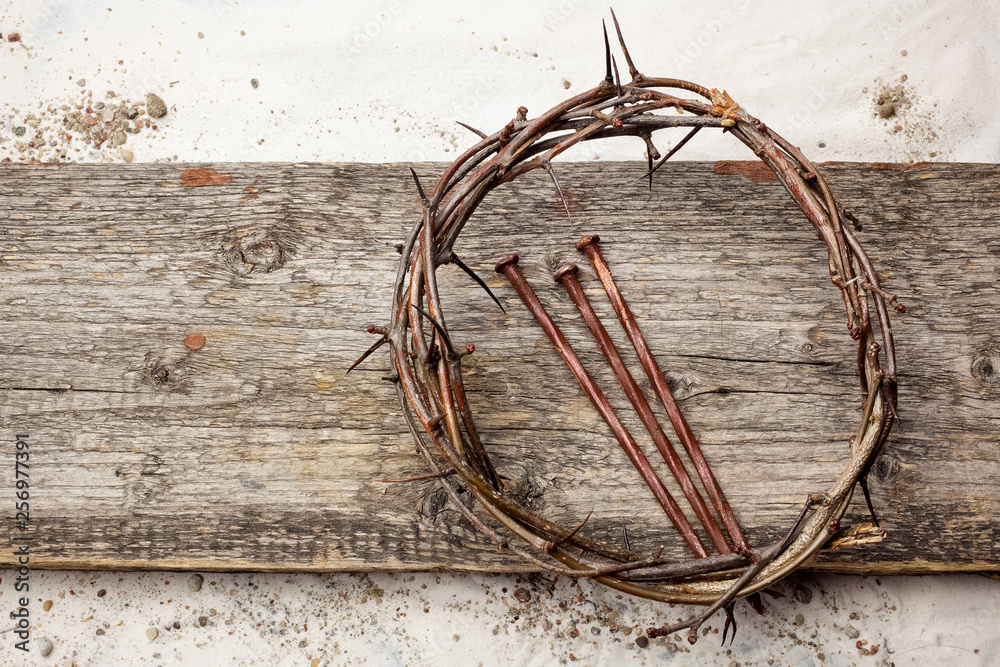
[
  {"x": 670, "y": 153},
  {"x": 607, "y": 55},
  {"x": 482, "y": 135},
  {"x": 547, "y": 165},
  {"x": 633, "y": 72},
  {"x": 589, "y": 245},
  {"x": 479, "y": 281},
  {"x": 382, "y": 341},
  {"x": 508, "y": 267},
  {"x": 567, "y": 276}
]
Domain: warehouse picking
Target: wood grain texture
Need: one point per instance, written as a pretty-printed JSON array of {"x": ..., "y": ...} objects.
[{"x": 255, "y": 452}]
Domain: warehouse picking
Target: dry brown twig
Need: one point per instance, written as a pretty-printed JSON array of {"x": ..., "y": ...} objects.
[{"x": 429, "y": 368}]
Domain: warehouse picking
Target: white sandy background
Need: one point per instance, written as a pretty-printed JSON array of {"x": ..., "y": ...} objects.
[{"x": 386, "y": 81}]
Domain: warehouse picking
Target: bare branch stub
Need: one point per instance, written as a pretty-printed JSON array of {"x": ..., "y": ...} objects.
[{"x": 431, "y": 387}]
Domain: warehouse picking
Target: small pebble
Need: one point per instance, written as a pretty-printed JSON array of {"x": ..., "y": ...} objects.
[
  {"x": 243, "y": 33},
  {"x": 802, "y": 593},
  {"x": 155, "y": 106},
  {"x": 822, "y": 144},
  {"x": 254, "y": 83},
  {"x": 196, "y": 580},
  {"x": 203, "y": 621},
  {"x": 81, "y": 83},
  {"x": 152, "y": 634},
  {"x": 594, "y": 630},
  {"x": 800, "y": 619},
  {"x": 887, "y": 110},
  {"x": 131, "y": 114},
  {"x": 47, "y": 605},
  {"x": 44, "y": 645},
  {"x": 20, "y": 130},
  {"x": 100, "y": 631},
  {"x": 14, "y": 37},
  {"x": 852, "y": 632},
  {"x": 99, "y": 105},
  {"x": 108, "y": 115},
  {"x": 641, "y": 642},
  {"x": 522, "y": 595},
  {"x": 903, "y": 52},
  {"x": 120, "y": 138},
  {"x": 127, "y": 155},
  {"x": 201, "y": 35},
  {"x": 101, "y": 593}
]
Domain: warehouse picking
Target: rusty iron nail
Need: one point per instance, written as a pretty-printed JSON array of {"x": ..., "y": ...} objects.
[
  {"x": 568, "y": 277},
  {"x": 589, "y": 246},
  {"x": 509, "y": 268}
]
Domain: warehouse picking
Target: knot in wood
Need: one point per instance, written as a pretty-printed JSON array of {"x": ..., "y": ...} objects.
[
  {"x": 986, "y": 367},
  {"x": 254, "y": 252}
]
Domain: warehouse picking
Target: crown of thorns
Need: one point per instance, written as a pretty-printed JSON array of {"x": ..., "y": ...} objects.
[{"x": 429, "y": 366}]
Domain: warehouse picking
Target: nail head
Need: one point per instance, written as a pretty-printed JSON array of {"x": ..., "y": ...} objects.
[
  {"x": 568, "y": 270},
  {"x": 509, "y": 259},
  {"x": 586, "y": 241}
]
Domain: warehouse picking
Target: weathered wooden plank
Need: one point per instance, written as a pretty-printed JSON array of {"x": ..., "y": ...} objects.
[{"x": 256, "y": 452}]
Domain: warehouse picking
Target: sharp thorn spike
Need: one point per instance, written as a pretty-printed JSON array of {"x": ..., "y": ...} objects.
[
  {"x": 420, "y": 188},
  {"x": 607, "y": 55},
  {"x": 382, "y": 341},
  {"x": 650, "y": 174},
  {"x": 549, "y": 547},
  {"x": 730, "y": 619},
  {"x": 670, "y": 153},
  {"x": 633, "y": 72},
  {"x": 555, "y": 181},
  {"x": 479, "y": 281},
  {"x": 625, "y": 537},
  {"x": 442, "y": 334},
  {"x": 482, "y": 135},
  {"x": 863, "y": 482},
  {"x": 618, "y": 81}
]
